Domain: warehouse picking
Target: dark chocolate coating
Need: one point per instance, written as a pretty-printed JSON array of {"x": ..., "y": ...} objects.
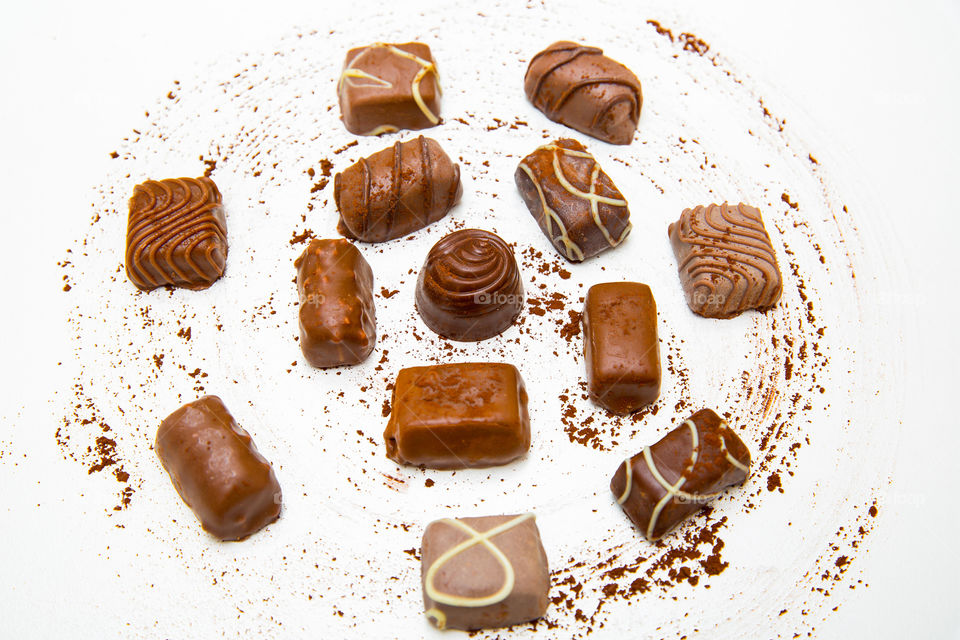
[
  {"x": 176, "y": 234},
  {"x": 467, "y": 585},
  {"x": 583, "y": 89},
  {"x": 338, "y": 322},
  {"x": 388, "y": 87},
  {"x": 680, "y": 474},
  {"x": 396, "y": 191},
  {"x": 620, "y": 344},
  {"x": 469, "y": 287},
  {"x": 456, "y": 416},
  {"x": 725, "y": 259},
  {"x": 575, "y": 203},
  {"x": 217, "y": 470}
]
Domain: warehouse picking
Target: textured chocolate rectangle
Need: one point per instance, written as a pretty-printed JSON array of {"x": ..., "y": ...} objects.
[
  {"x": 725, "y": 259},
  {"x": 583, "y": 89},
  {"x": 176, "y": 234},
  {"x": 680, "y": 474},
  {"x": 396, "y": 191},
  {"x": 388, "y": 87},
  {"x": 482, "y": 573},
  {"x": 621, "y": 348},
  {"x": 575, "y": 203},
  {"x": 454, "y": 416},
  {"x": 338, "y": 323},
  {"x": 217, "y": 470}
]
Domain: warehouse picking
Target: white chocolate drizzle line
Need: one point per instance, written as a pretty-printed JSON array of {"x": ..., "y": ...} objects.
[
  {"x": 474, "y": 539},
  {"x": 673, "y": 490},
  {"x": 439, "y": 617},
  {"x": 425, "y": 67},
  {"x": 592, "y": 197},
  {"x": 550, "y": 216}
]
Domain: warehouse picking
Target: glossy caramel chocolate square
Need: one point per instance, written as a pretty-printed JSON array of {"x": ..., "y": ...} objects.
[{"x": 455, "y": 416}]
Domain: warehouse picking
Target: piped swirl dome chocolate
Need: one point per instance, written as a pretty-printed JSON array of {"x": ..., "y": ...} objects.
[{"x": 469, "y": 288}]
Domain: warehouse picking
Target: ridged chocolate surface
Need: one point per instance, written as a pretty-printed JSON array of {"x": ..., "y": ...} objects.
[
  {"x": 469, "y": 287},
  {"x": 680, "y": 474},
  {"x": 176, "y": 234},
  {"x": 217, "y": 470},
  {"x": 583, "y": 89},
  {"x": 575, "y": 203},
  {"x": 338, "y": 323},
  {"x": 725, "y": 260},
  {"x": 396, "y": 191}
]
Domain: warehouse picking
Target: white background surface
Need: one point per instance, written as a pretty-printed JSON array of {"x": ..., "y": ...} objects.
[{"x": 880, "y": 83}]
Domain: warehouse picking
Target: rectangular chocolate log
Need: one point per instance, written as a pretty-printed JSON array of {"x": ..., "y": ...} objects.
[
  {"x": 583, "y": 89},
  {"x": 575, "y": 203},
  {"x": 338, "y": 324},
  {"x": 725, "y": 259},
  {"x": 176, "y": 234},
  {"x": 217, "y": 470},
  {"x": 455, "y": 416},
  {"x": 680, "y": 474},
  {"x": 396, "y": 191},
  {"x": 620, "y": 344},
  {"x": 388, "y": 87},
  {"x": 482, "y": 573}
]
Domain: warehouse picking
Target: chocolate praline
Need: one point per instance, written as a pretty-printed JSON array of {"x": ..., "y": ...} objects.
[{"x": 469, "y": 288}]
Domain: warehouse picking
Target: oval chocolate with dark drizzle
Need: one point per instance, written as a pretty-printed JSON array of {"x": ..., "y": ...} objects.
[{"x": 469, "y": 288}]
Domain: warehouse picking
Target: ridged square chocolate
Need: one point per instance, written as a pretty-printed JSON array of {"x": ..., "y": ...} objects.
[
  {"x": 387, "y": 87},
  {"x": 482, "y": 573},
  {"x": 725, "y": 259},
  {"x": 573, "y": 200},
  {"x": 680, "y": 474},
  {"x": 176, "y": 234}
]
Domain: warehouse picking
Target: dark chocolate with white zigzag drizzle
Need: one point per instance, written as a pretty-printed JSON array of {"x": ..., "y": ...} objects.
[
  {"x": 583, "y": 89},
  {"x": 176, "y": 234},
  {"x": 573, "y": 200},
  {"x": 726, "y": 262}
]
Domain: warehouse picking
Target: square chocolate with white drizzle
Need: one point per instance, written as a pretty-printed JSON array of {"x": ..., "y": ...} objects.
[
  {"x": 388, "y": 87},
  {"x": 680, "y": 474},
  {"x": 482, "y": 573},
  {"x": 575, "y": 203}
]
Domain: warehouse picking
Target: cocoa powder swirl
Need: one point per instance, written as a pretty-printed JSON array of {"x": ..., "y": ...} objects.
[
  {"x": 176, "y": 234},
  {"x": 469, "y": 288}
]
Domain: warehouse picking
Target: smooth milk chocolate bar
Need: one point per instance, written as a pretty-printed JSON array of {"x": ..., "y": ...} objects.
[
  {"x": 575, "y": 203},
  {"x": 620, "y": 345},
  {"x": 338, "y": 324},
  {"x": 387, "y": 87},
  {"x": 454, "y": 416},
  {"x": 482, "y": 573},
  {"x": 585, "y": 90},
  {"x": 396, "y": 191},
  {"x": 176, "y": 234},
  {"x": 217, "y": 470},
  {"x": 725, "y": 259},
  {"x": 680, "y": 474}
]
